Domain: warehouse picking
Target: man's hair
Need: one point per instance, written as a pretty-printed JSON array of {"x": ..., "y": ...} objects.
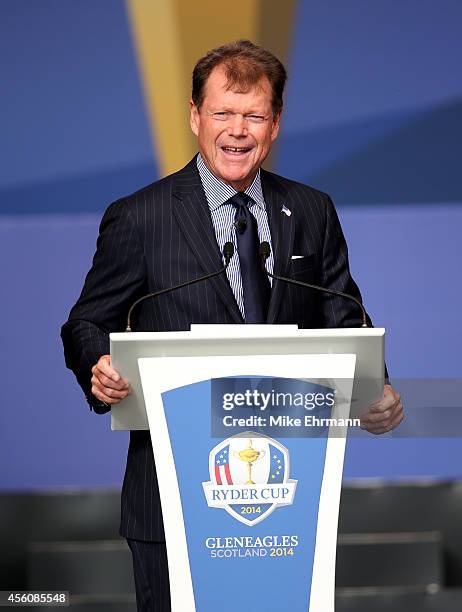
[{"x": 245, "y": 64}]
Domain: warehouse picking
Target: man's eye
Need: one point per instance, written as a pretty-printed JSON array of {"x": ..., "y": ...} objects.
[
  {"x": 222, "y": 115},
  {"x": 256, "y": 118}
]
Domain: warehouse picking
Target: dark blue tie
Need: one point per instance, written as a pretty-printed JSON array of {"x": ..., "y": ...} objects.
[{"x": 255, "y": 283}]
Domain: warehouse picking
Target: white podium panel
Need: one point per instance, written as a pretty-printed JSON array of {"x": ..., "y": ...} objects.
[
  {"x": 192, "y": 428},
  {"x": 248, "y": 427}
]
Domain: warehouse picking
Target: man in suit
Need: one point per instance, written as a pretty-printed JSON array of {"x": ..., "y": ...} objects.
[{"x": 174, "y": 230}]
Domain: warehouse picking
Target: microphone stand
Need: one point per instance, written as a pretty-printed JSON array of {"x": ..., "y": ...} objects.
[
  {"x": 265, "y": 250},
  {"x": 228, "y": 252}
]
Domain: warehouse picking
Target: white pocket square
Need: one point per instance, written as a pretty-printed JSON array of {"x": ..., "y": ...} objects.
[{"x": 297, "y": 256}]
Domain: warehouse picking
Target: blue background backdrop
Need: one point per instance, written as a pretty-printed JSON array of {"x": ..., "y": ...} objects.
[{"x": 373, "y": 116}]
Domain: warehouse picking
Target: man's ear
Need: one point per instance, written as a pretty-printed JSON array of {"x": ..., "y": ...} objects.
[
  {"x": 194, "y": 117},
  {"x": 275, "y": 128}
]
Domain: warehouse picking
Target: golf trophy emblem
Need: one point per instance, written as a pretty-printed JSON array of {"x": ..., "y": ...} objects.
[
  {"x": 250, "y": 455},
  {"x": 249, "y": 477}
]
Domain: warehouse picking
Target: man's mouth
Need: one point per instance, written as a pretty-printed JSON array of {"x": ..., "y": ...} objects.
[{"x": 236, "y": 150}]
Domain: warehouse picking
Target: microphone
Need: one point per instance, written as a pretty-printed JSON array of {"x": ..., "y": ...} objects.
[
  {"x": 264, "y": 252},
  {"x": 240, "y": 226},
  {"x": 228, "y": 252}
]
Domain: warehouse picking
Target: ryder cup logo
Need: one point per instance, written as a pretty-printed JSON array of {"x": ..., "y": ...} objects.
[{"x": 249, "y": 477}]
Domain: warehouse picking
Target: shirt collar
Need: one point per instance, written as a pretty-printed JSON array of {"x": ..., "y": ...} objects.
[{"x": 218, "y": 192}]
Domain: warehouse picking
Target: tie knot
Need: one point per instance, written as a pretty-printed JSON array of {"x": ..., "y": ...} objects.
[{"x": 241, "y": 199}]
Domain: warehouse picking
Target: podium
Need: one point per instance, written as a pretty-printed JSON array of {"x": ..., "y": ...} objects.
[{"x": 248, "y": 426}]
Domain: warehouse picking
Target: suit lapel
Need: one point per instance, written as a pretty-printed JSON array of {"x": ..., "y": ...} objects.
[
  {"x": 282, "y": 229},
  {"x": 192, "y": 213}
]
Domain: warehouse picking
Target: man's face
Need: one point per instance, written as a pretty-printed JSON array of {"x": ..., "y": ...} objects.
[{"x": 234, "y": 130}]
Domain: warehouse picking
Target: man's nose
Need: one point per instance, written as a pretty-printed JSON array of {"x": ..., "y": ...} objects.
[{"x": 237, "y": 125}]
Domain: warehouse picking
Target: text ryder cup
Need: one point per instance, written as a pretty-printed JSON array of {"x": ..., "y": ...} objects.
[
  {"x": 288, "y": 421},
  {"x": 220, "y": 496}
]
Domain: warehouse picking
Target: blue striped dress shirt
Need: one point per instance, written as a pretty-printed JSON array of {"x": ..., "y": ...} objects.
[{"x": 217, "y": 193}]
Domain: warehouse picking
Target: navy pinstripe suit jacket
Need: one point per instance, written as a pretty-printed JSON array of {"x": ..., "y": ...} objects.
[{"x": 163, "y": 235}]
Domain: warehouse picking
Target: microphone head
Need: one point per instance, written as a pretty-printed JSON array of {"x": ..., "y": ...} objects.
[
  {"x": 240, "y": 226},
  {"x": 228, "y": 251},
  {"x": 264, "y": 250}
]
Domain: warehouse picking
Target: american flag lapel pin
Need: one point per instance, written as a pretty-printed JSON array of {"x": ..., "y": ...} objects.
[{"x": 285, "y": 210}]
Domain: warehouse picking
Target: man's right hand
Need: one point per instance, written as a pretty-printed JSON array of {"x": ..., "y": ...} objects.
[{"x": 106, "y": 383}]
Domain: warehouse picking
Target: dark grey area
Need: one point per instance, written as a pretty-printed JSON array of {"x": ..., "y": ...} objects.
[
  {"x": 27, "y": 518},
  {"x": 107, "y": 603},
  {"x": 92, "y": 568},
  {"x": 398, "y": 600},
  {"x": 408, "y": 507},
  {"x": 383, "y": 559},
  {"x": 399, "y": 548}
]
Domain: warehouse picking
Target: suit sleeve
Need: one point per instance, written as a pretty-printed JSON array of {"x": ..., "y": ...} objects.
[
  {"x": 338, "y": 311},
  {"x": 116, "y": 279}
]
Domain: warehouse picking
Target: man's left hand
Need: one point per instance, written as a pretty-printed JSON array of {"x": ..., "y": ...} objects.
[{"x": 385, "y": 414}]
